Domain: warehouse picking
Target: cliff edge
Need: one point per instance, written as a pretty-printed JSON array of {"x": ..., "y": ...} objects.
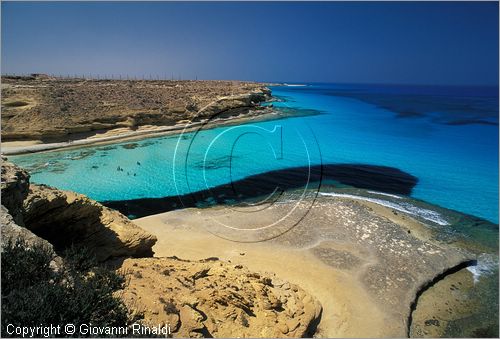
[{"x": 50, "y": 109}]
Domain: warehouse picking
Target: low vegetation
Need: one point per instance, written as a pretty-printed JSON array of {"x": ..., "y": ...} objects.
[{"x": 36, "y": 292}]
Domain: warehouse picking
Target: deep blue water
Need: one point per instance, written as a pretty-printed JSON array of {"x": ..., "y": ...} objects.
[{"x": 446, "y": 137}]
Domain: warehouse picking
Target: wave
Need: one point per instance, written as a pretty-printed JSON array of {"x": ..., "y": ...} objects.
[
  {"x": 486, "y": 264},
  {"x": 404, "y": 207},
  {"x": 386, "y": 194}
]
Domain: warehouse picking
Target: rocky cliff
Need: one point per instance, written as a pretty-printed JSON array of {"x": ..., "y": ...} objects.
[
  {"x": 50, "y": 109},
  {"x": 15, "y": 186},
  {"x": 12, "y": 231},
  {"x": 66, "y": 218}
]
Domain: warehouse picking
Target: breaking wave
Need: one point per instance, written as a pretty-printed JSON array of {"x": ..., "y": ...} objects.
[{"x": 404, "y": 207}]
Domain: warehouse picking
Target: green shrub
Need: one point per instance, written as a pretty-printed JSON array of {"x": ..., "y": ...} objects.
[{"x": 35, "y": 294}]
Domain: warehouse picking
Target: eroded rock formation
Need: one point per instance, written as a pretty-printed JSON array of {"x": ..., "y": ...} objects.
[
  {"x": 367, "y": 263},
  {"x": 15, "y": 186},
  {"x": 11, "y": 232},
  {"x": 211, "y": 298},
  {"x": 66, "y": 218},
  {"x": 49, "y": 108},
  {"x": 233, "y": 105}
]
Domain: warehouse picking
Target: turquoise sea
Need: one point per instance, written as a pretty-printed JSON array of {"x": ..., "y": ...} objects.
[
  {"x": 437, "y": 145},
  {"x": 446, "y": 138}
]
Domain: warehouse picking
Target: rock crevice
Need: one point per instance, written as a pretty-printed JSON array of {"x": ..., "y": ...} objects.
[{"x": 424, "y": 287}]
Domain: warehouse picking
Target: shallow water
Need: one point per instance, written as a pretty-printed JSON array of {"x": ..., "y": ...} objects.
[{"x": 446, "y": 137}]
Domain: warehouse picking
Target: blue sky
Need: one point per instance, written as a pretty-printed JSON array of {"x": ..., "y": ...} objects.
[{"x": 386, "y": 42}]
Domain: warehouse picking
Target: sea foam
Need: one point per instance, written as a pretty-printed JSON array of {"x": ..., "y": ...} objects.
[
  {"x": 386, "y": 194},
  {"x": 486, "y": 264},
  {"x": 404, "y": 207}
]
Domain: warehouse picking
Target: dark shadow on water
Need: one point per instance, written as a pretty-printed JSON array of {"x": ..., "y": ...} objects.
[{"x": 379, "y": 178}]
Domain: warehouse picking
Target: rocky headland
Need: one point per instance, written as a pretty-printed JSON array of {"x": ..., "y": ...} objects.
[{"x": 54, "y": 109}]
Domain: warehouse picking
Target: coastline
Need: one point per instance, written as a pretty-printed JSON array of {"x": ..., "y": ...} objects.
[
  {"x": 143, "y": 132},
  {"x": 35, "y": 118},
  {"x": 348, "y": 310},
  {"x": 172, "y": 170},
  {"x": 353, "y": 277},
  {"x": 375, "y": 270},
  {"x": 332, "y": 266}
]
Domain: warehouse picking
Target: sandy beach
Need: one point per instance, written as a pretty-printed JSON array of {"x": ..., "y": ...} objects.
[
  {"x": 123, "y": 134},
  {"x": 347, "y": 308},
  {"x": 332, "y": 267}
]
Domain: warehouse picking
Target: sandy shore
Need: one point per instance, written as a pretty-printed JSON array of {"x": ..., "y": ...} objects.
[
  {"x": 347, "y": 309},
  {"x": 109, "y": 136},
  {"x": 362, "y": 261},
  {"x": 124, "y": 134}
]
